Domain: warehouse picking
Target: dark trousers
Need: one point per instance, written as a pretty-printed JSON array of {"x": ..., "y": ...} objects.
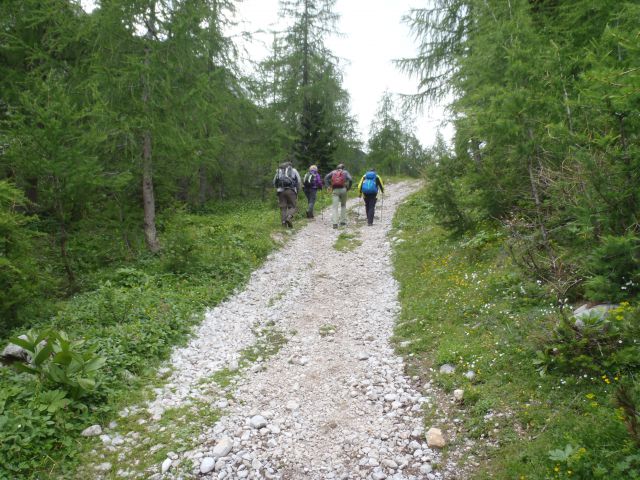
[
  {"x": 311, "y": 195},
  {"x": 370, "y": 206},
  {"x": 287, "y": 201}
]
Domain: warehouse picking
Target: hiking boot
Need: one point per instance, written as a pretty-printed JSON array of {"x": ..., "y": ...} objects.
[
  {"x": 343, "y": 224},
  {"x": 370, "y": 224},
  {"x": 309, "y": 215},
  {"x": 335, "y": 225},
  {"x": 288, "y": 223}
]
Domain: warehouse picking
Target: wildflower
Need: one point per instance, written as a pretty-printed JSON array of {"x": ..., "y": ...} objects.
[{"x": 590, "y": 396}]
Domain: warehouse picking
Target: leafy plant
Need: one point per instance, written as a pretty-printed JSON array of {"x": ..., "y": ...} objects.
[
  {"x": 57, "y": 359},
  {"x": 596, "y": 344}
]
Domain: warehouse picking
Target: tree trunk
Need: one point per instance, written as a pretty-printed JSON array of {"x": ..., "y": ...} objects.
[
  {"x": 148, "y": 197},
  {"x": 203, "y": 185}
]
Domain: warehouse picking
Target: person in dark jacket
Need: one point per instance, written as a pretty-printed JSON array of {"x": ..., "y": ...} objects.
[
  {"x": 287, "y": 183},
  {"x": 312, "y": 183},
  {"x": 340, "y": 181},
  {"x": 369, "y": 185}
]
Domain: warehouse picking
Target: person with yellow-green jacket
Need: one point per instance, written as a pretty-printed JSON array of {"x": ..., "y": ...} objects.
[{"x": 369, "y": 185}]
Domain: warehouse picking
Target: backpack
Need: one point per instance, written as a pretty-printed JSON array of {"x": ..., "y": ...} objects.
[
  {"x": 309, "y": 180},
  {"x": 284, "y": 178},
  {"x": 338, "y": 179},
  {"x": 370, "y": 186}
]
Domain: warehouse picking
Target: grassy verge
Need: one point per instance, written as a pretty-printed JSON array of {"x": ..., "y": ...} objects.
[
  {"x": 137, "y": 312},
  {"x": 465, "y": 304}
]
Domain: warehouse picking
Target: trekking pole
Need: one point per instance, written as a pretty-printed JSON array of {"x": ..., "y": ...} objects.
[{"x": 382, "y": 207}]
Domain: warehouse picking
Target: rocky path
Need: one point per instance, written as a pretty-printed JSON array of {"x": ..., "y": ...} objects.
[{"x": 299, "y": 370}]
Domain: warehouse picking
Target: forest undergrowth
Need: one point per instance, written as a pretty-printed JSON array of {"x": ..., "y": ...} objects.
[
  {"x": 547, "y": 400},
  {"x": 109, "y": 338}
]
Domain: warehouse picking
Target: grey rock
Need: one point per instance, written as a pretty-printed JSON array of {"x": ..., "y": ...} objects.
[
  {"x": 15, "y": 352},
  {"x": 470, "y": 374},
  {"x": 292, "y": 405},
  {"x": 104, "y": 467},
  {"x": 447, "y": 369},
  {"x": 458, "y": 395},
  {"x": 425, "y": 468},
  {"x": 257, "y": 422},
  {"x": 223, "y": 447},
  {"x": 92, "y": 431}
]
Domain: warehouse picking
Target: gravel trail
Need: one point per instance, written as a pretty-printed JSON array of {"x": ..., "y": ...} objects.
[{"x": 333, "y": 402}]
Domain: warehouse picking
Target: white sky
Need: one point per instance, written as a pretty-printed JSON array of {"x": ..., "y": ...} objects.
[{"x": 373, "y": 36}]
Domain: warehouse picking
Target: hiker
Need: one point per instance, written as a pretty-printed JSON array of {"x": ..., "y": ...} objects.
[
  {"x": 339, "y": 181},
  {"x": 368, "y": 187},
  {"x": 311, "y": 184},
  {"x": 287, "y": 182}
]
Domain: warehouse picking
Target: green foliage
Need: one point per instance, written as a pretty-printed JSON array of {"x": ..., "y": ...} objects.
[
  {"x": 597, "y": 344},
  {"x": 393, "y": 148},
  {"x": 615, "y": 267},
  {"x": 347, "y": 242},
  {"x": 545, "y": 139},
  {"x": 133, "y": 318},
  {"x": 42, "y": 412},
  {"x": 496, "y": 321},
  {"x": 19, "y": 281},
  {"x": 57, "y": 360}
]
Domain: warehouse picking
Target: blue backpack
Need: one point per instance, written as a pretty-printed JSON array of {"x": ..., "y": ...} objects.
[{"x": 370, "y": 186}]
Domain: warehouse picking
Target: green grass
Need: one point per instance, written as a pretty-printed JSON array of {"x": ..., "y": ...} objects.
[
  {"x": 326, "y": 330},
  {"x": 347, "y": 242},
  {"x": 464, "y": 303}
]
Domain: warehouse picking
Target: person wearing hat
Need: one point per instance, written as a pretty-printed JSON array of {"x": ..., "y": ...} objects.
[
  {"x": 311, "y": 184},
  {"x": 339, "y": 181}
]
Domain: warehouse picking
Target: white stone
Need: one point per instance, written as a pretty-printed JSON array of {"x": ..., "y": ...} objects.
[
  {"x": 447, "y": 369},
  {"x": 292, "y": 405},
  {"x": 104, "y": 467},
  {"x": 207, "y": 465},
  {"x": 458, "y": 395},
  {"x": 425, "y": 468},
  {"x": 92, "y": 431},
  {"x": 257, "y": 422},
  {"x": 166, "y": 465},
  {"x": 223, "y": 447}
]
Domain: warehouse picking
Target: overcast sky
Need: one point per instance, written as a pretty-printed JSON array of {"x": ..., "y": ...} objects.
[{"x": 373, "y": 36}]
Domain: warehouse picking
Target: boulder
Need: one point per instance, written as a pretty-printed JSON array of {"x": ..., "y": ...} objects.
[
  {"x": 600, "y": 311},
  {"x": 13, "y": 352}
]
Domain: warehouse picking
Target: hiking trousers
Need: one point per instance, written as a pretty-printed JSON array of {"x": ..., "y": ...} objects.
[
  {"x": 370, "y": 200},
  {"x": 311, "y": 195},
  {"x": 287, "y": 201},
  {"x": 339, "y": 201}
]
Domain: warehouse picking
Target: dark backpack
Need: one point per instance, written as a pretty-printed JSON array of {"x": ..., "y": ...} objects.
[
  {"x": 309, "y": 180},
  {"x": 370, "y": 185},
  {"x": 284, "y": 178},
  {"x": 338, "y": 179}
]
